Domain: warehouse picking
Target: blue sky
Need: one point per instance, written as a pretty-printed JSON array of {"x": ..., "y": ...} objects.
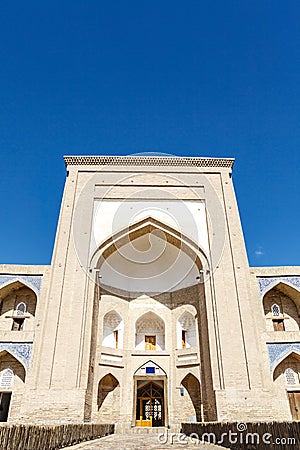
[{"x": 196, "y": 78}]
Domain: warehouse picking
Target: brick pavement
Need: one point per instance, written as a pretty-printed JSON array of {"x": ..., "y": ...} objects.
[{"x": 139, "y": 442}]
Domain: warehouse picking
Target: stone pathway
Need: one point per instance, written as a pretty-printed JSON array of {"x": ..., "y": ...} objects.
[{"x": 141, "y": 442}]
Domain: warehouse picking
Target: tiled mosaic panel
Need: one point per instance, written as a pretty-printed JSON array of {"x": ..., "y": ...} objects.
[{"x": 31, "y": 280}]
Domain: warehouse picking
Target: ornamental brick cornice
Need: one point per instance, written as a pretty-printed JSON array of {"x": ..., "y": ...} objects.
[{"x": 178, "y": 161}]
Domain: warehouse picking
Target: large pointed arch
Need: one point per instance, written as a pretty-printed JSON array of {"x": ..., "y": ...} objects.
[
  {"x": 141, "y": 228},
  {"x": 148, "y": 257}
]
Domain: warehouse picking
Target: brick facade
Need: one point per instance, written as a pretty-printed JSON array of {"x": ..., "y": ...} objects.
[{"x": 156, "y": 241}]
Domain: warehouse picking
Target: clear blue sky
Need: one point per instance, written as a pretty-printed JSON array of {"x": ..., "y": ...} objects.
[{"x": 196, "y": 78}]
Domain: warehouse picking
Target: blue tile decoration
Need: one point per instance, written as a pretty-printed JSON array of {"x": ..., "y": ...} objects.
[
  {"x": 266, "y": 283},
  {"x": 33, "y": 281},
  {"x": 277, "y": 352},
  {"x": 20, "y": 350}
]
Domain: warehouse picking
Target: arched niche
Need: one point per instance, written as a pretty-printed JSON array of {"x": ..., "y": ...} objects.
[
  {"x": 12, "y": 382},
  {"x": 17, "y": 307},
  {"x": 286, "y": 378},
  {"x": 186, "y": 331},
  {"x": 108, "y": 399},
  {"x": 280, "y": 373},
  {"x": 281, "y": 308},
  {"x": 113, "y": 330},
  {"x": 192, "y": 388},
  {"x": 149, "y": 332}
]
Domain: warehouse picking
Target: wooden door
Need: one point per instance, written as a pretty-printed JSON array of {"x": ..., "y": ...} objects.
[
  {"x": 150, "y": 342},
  {"x": 294, "y": 399},
  {"x": 150, "y": 406}
]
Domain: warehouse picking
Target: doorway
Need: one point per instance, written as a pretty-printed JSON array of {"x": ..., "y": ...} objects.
[
  {"x": 150, "y": 404},
  {"x": 5, "y": 398},
  {"x": 294, "y": 399}
]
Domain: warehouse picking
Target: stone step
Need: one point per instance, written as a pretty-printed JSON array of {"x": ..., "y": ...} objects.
[
  {"x": 128, "y": 429},
  {"x": 147, "y": 430}
]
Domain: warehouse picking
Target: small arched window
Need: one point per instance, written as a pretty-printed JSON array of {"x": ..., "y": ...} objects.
[
  {"x": 186, "y": 331},
  {"x": 275, "y": 310},
  {"x": 113, "y": 328},
  {"x": 291, "y": 377},
  {"x": 6, "y": 379},
  {"x": 21, "y": 309}
]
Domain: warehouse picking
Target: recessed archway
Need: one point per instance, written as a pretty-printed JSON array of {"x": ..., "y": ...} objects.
[
  {"x": 18, "y": 303},
  {"x": 108, "y": 399},
  {"x": 286, "y": 377},
  {"x": 113, "y": 329},
  {"x": 193, "y": 388},
  {"x": 149, "y": 323},
  {"x": 186, "y": 331},
  {"x": 290, "y": 360},
  {"x": 150, "y": 332},
  {"x": 281, "y": 306},
  {"x": 12, "y": 380},
  {"x": 150, "y": 404}
]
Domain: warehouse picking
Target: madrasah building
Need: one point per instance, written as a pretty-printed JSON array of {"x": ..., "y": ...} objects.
[{"x": 149, "y": 314}]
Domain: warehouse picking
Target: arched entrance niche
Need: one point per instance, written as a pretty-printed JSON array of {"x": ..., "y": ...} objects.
[
  {"x": 282, "y": 308},
  {"x": 17, "y": 307},
  {"x": 150, "y": 407},
  {"x": 153, "y": 260},
  {"x": 108, "y": 399},
  {"x": 192, "y": 388},
  {"x": 12, "y": 380}
]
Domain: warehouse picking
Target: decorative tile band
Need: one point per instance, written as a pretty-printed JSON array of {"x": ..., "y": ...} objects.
[
  {"x": 148, "y": 161},
  {"x": 20, "y": 350},
  {"x": 277, "y": 352},
  {"x": 33, "y": 281},
  {"x": 266, "y": 283}
]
